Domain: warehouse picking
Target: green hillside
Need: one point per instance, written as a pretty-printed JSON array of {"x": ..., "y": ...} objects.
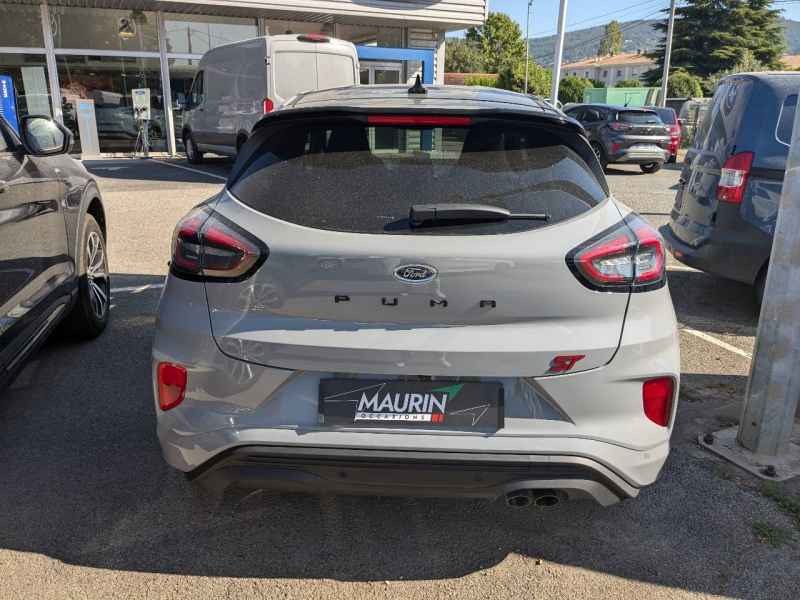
[{"x": 636, "y": 35}]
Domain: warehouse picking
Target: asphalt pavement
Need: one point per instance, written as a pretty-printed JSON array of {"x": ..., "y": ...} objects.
[{"x": 88, "y": 508}]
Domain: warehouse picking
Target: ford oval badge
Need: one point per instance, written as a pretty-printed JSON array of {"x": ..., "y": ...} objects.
[{"x": 415, "y": 273}]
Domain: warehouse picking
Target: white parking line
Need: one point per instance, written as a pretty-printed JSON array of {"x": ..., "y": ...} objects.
[
  {"x": 715, "y": 341},
  {"x": 163, "y": 162},
  {"x": 138, "y": 288}
]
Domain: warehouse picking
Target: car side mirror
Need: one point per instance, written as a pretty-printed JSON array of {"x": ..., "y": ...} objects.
[
  {"x": 681, "y": 122},
  {"x": 181, "y": 105},
  {"x": 44, "y": 136}
]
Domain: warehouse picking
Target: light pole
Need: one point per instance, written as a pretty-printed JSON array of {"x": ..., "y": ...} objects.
[
  {"x": 527, "y": 43},
  {"x": 667, "y": 54},
  {"x": 562, "y": 25}
]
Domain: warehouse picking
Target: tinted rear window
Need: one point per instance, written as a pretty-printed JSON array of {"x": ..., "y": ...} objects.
[
  {"x": 667, "y": 116},
  {"x": 723, "y": 119},
  {"x": 638, "y": 117},
  {"x": 345, "y": 175}
]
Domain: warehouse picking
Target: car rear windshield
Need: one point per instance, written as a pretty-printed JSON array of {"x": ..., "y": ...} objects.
[
  {"x": 638, "y": 117},
  {"x": 347, "y": 175}
]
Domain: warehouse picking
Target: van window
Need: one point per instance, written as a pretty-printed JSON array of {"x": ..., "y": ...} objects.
[
  {"x": 786, "y": 120},
  {"x": 196, "y": 94},
  {"x": 346, "y": 175},
  {"x": 334, "y": 70},
  {"x": 723, "y": 118},
  {"x": 294, "y": 72}
]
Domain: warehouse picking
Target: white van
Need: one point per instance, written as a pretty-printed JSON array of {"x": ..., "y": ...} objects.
[{"x": 236, "y": 84}]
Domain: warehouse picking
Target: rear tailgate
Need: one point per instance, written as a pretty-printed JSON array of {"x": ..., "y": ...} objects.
[
  {"x": 646, "y": 129},
  {"x": 331, "y": 202}
]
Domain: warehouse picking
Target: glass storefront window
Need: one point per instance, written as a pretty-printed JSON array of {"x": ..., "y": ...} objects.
[
  {"x": 195, "y": 34},
  {"x": 108, "y": 80},
  {"x": 391, "y": 37},
  {"x": 103, "y": 29},
  {"x": 181, "y": 76},
  {"x": 26, "y": 74},
  {"x": 21, "y": 26},
  {"x": 275, "y": 27}
]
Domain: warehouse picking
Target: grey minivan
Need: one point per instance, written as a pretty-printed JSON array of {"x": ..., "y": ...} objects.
[{"x": 726, "y": 207}]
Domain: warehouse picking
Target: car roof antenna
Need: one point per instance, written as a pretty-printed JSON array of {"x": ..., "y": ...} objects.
[{"x": 417, "y": 89}]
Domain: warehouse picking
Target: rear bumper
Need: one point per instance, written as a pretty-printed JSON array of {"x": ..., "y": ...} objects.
[
  {"x": 638, "y": 157},
  {"x": 409, "y": 473},
  {"x": 737, "y": 254}
]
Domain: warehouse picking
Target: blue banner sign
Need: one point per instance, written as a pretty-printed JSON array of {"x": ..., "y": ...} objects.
[{"x": 8, "y": 103}]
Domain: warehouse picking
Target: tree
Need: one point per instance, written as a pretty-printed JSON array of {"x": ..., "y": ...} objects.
[
  {"x": 513, "y": 78},
  {"x": 598, "y": 83},
  {"x": 628, "y": 83},
  {"x": 683, "y": 85},
  {"x": 571, "y": 89},
  {"x": 713, "y": 35},
  {"x": 500, "y": 41},
  {"x": 612, "y": 41},
  {"x": 462, "y": 56},
  {"x": 747, "y": 64}
]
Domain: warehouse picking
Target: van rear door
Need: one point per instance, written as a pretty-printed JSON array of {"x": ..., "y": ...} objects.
[
  {"x": 715, "y": 142},
  {"x": 304, "y": 63}
]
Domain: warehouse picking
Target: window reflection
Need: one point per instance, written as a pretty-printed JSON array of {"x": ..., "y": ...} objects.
[{"x": 194, "y": 34}]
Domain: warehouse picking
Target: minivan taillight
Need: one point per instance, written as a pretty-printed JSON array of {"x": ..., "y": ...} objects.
[
  {"x": 628, "y": 257},
  {"x": 620, "y": 126},
  {"x": 205, "y": 244},
  {"x": 267, "y": 105},
  {"x": 734, "y": 177}
]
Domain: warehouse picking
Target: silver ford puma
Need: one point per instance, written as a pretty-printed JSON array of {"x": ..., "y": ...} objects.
[{"x": 423, "y": 292}]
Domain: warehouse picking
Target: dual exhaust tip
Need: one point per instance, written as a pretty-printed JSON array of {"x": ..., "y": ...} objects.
[{"x": 541, "y": 498}]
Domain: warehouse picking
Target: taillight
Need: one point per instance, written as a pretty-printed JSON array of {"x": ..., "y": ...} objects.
[
  {"x": 657, "y": 398},
  {"x": 734, "y": 177},
  {"x": 416, "y": 120},
  {"x": 171, "y": 385},
  {"x": 614, "y": 147},
  {"x": 620, "y": 126},
  {"x": 628, "y": 257},
  {"x": 267, "y": 105},
  {"x": 206, "y": 244},
  {"x": 674, "y": 131}
]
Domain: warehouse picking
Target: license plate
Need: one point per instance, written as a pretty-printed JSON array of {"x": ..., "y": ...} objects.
[
  {"x": 414, "y": 403},
  {"x": 646, "y": 146}
]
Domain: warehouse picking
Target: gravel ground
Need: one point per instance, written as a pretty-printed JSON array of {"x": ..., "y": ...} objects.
[{"x": 90, "y": 510}]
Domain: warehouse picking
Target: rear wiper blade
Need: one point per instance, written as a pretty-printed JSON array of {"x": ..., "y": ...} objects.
[{"x": 428, "y": 213}]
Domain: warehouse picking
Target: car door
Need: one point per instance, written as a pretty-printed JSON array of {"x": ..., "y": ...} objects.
[
  {"x": 195, "y": 109},
  {"x": 592, "y": 119},
  {"x": 35, "y": 267}
]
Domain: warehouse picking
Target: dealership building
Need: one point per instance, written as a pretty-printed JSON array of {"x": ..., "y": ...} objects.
[{"x": 52, "y": 55}]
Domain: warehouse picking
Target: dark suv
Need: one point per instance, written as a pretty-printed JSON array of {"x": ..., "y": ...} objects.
[
  {"x": 730, "y": 187},
  {"x": 619, "y": 134}
]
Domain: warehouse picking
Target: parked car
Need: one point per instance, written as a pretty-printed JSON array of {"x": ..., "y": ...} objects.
[
  {"x": 624, "y": 135},
  {"x": 692, "y": 113},
  {"x": 673, "y": 124},
  {"x": 417, "y": 293},
  {"x": 53, "y": 263},
  {"x": 236, "y": 84},
  {"x": 727, "y": 202}
]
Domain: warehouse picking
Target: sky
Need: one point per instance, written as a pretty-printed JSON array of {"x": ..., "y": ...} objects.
[{"x": 544, "y": 13}]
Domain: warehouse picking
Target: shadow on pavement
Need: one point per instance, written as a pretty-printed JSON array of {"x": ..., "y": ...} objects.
[{"x": 83, "y": 482}]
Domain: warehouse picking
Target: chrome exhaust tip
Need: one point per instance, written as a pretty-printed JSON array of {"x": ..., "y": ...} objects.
[{"x": 519, "y": 499}]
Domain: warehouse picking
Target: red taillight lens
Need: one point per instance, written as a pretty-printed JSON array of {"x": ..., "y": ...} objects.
[
  {"x": 417, "y": 120},
  {"x": 614, "y": 147},
  {"x": 171, "y": 385},
  {"x": 267, "y": 105},
  {"x": 734, "y": 177},
  {"x": 620, "y": 126},
  {"x": 205, "y": 244},
  {"x": 628, "y": 258},
  {"x": 657, "y": 397},
  {"x": 674, "y": 131}
]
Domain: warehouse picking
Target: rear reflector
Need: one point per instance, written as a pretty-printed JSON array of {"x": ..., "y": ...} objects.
[
  {"x": 313, "y": 37},
  {"x": 267, "y": 105},
  {"x": 734, "y": 177},
  {"x": 171, "y": 385},
  {"x": 417, "y": 120},
  {"x": 657, "y": 395}
]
